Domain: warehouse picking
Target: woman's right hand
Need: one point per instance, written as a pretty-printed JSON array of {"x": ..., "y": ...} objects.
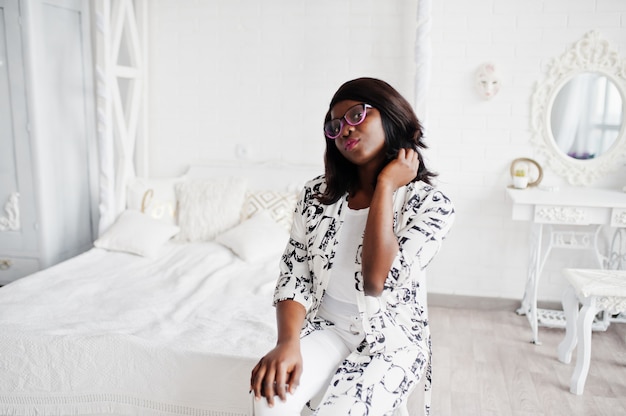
[
  {"x": 401, "y": 170},
  {"x": 278, "y": 372}
]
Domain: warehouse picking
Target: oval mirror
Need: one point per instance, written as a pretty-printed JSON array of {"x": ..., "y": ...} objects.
[
  {"x": 578, "y": 112},
  {"x": 587, "y": 116}
]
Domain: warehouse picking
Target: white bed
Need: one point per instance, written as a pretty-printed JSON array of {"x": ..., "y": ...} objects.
[{"x": 175, "y": 331}]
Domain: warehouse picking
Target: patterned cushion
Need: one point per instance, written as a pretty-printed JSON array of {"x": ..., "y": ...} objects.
[
  {"x": 280, "y": 205},
  {"x": 208, "y": 207}
]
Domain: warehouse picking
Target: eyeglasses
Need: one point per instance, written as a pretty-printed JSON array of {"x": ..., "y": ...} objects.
[{"x": 354, "y": 116}]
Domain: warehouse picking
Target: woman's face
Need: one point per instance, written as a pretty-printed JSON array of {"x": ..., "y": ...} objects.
[{"x": 364, "y": 143}]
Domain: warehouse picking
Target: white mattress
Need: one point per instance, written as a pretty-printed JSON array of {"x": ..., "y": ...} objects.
[{"x": 120, "y": 334}]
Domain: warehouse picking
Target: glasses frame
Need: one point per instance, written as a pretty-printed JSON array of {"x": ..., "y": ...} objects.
[{"x": 342, "y": 118}]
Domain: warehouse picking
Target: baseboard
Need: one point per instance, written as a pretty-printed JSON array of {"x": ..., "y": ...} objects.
[{"x": 482, "y": 303}]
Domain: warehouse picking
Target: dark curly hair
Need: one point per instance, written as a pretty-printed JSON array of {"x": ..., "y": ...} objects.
[{"x": 401, "y": 127}]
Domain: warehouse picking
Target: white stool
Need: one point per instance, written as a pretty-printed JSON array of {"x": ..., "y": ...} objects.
[{"x": 597, "y": 290}]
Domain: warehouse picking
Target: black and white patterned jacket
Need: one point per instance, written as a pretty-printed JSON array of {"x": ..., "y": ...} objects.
[{"x": 396, "y": 319}]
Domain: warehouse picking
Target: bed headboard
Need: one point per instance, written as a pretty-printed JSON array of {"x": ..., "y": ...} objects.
[{"x": 279, "y": 176}]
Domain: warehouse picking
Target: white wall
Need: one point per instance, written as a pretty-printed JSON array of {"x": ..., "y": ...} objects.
[
  {"x": 254, "y": 78},
  {"x": 473, "y": 141},
  {"x": 279, "y": 62}
]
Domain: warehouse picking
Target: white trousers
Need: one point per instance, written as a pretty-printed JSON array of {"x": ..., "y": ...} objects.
[{"x": 337, "y": 365}]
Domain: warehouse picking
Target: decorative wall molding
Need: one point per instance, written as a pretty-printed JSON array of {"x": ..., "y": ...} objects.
[{"x": 11, "y": 222}]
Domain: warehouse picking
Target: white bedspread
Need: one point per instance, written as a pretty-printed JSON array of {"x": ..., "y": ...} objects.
[{"x": 121, "y": 334}]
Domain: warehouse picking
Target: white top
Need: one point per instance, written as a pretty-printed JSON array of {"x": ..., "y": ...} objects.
[{"x": 347, "y": 261}]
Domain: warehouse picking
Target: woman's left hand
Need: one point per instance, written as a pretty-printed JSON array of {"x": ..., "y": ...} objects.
[{"x": 401, "y": 170}]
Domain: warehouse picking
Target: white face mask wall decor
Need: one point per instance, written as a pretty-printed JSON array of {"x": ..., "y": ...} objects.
[{"x": 487, "y": 80}]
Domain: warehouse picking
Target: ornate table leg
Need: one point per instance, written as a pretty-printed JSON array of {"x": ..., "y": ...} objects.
[
  {"x": 570, "y": 307},
  {"x": 529, "y": 301},
  {"x": 583, "y": 356}
]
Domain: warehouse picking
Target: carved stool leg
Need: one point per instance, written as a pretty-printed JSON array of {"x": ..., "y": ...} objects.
[
  {"x": 570, "y": 308},
  {"x": 583, "y": 356}
]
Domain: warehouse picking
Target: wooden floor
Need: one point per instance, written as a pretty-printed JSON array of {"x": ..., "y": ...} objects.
[{"x": 484, "y": 364}]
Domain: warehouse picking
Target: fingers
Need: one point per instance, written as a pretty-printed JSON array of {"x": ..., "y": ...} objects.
[
  {"x": 258, "y": 375},
  {"x": 268, "y": 386},
  {"x": 415, "y": 159},
  {"x": 407, "y": 166},
  {"x": 262, "y": 382},
  {"x": 409, "y": 156},
  {"x": 268, "y": 381},
  {"x": 281, "y": 386},
  {"x": 294, "y": 379}
]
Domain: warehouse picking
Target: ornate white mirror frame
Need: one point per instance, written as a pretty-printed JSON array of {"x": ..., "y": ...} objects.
[{"x": 591, "y": 54}]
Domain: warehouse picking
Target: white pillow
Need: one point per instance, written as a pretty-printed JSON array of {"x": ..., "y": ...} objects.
[
  {"x": 279, "y": 205},
  {"x": 154, "y": 197},
  {"x": 208, "y": 207},
  {"x": 136, "y": 233},
  {"x": 255, "y": 239}
]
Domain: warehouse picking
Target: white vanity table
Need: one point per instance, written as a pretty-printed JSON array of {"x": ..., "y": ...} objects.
[
  {"x": 574, "y": 207},
  {"x": 582, "y": 139}
]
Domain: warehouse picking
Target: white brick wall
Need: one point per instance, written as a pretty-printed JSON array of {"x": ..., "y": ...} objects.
[
  {"x": 275, "y": 62},
  {"x": 473, "y": 141},
  {"x": 278, "y": 62}
]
